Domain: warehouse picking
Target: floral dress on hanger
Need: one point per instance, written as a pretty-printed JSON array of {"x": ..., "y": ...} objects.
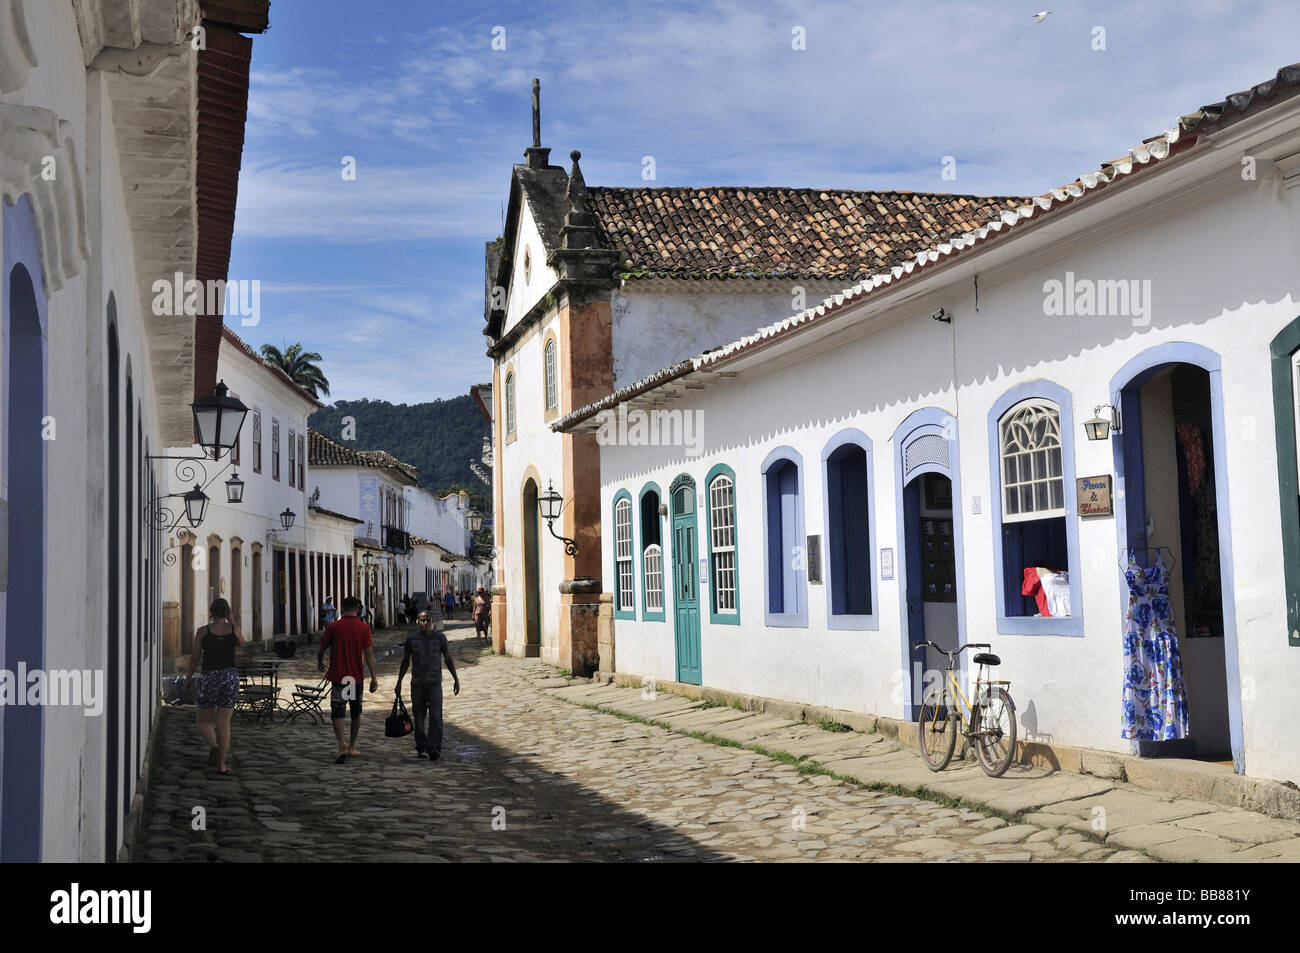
[{"x": 1155, "y": 705}]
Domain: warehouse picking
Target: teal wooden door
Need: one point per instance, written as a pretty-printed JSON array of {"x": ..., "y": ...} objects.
[{"x": 686, "y": 589}]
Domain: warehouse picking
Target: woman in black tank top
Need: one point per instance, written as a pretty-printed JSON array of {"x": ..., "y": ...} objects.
[{"x": 218, "y": 688}]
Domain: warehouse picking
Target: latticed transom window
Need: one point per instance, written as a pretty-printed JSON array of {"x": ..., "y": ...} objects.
[
  {"x": 654, "y": 578},
  {"x": 1033, "y": 487},
  {"x": 550, "y": 375},
  {"x": 510, "y": 403},
  {"x": 722, "y": 511},
  {"x": 623, "y": 552}
]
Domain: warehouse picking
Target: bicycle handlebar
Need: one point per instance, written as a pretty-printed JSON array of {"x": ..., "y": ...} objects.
[{"x": 956, "y": 651}]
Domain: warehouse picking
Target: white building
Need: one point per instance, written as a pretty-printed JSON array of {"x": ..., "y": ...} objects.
[
  {"x": 242, "y": 553},
  {"x": 591, "y": 289},
  {"x": 119, "y": 160},
  {"x": 371, "y": 484},
  {"x": 883, "y": 468}
]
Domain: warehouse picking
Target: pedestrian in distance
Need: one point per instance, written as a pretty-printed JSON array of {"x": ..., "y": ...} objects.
[
  {"x": 328, "y": 611},
  {"x": 482, "y": 613},
  {"x": 424, "y": 652},
  {"x": 449, "y": 603},
  {"x": 351, "y": 645},
  {"x": 218, "y": 688}
]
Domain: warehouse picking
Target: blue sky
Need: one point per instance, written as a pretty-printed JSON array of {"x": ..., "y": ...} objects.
[{"x": 384, "y": 275}]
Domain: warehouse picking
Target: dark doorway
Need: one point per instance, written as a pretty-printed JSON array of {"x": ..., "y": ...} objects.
[
  {"x": 932, "y": 596},
  {"x": 113, "y": 663},
  {"x": 532, "y": 572},
  {"x": 25, "y": 557},
  {"x": 256, "y": 594},
  {"x": 236, "y": 584},
  {"x": 279, "y": 591},
  {"x": 1171, "y": 504}
]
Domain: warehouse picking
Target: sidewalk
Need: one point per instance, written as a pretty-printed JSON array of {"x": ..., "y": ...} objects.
[{"x": 1117, "y": 814}]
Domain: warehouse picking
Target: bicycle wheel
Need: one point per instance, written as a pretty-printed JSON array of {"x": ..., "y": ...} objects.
[
  {"x": 938, "y": 733},
  {"x": 995, "y": 744}
]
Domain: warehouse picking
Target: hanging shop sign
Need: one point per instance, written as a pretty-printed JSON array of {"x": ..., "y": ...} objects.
[{"x": 1095, "y": 497}]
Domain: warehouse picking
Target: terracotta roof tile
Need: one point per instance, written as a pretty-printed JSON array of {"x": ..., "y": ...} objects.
[
  {"x": 733, "y": 232},
  {"x": 324, "y": 452}
]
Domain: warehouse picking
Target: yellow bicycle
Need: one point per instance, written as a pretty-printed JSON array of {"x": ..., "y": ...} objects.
[{"x": 991, "y": 728}]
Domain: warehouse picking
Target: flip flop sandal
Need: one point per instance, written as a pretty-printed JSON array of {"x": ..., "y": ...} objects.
[{"x": 341, "y": 759}]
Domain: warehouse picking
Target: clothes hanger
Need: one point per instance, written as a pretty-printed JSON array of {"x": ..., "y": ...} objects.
[{"x": 1163, "y": 550}]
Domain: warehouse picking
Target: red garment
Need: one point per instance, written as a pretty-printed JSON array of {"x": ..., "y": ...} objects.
[
  {"x": 347, "y": 639},
  {"x": 1033, "y": 586}
]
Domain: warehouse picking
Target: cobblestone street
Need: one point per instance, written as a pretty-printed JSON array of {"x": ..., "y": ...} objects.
[{"x": 565, "y": 782}]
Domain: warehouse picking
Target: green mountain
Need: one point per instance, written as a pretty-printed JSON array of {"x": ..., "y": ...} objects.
[{"x": 440, "y": 437}]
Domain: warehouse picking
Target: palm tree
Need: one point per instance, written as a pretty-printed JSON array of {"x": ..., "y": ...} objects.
[{"x": 301, "y": 367}]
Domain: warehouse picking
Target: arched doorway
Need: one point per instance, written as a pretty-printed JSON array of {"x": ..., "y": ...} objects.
[
  {"x": 930, "y": 571},
  {"x": 24, "y": 562},
  {"x": 686, "y": 590},
  {"x": 1170, "y": 467},
  {"x": 236, "y": 583},
  {"x": 532, "y": 571},
  {"x": 255, "y": 607}
]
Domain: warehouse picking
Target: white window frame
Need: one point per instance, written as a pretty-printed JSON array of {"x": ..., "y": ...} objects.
[
  {"x": 510, "y": 402},
  {"x": 623, "y": 554},
  {"x": 1019, "y": 436},
  {"x": 653, "y": 565},
  {"x": 722, "y": 543},
  {"x": 552, "y": 394}
]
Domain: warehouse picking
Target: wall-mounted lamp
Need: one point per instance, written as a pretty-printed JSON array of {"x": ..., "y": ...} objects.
[
  {"x": 196, "y": 505},
  {"x": 218, "y": 419},
  {"x": 286, "y": 522},
  {"x": 234, "y": 489},
  {"x": 551, "y": 503},
  {"x": 474, "y": 520},
  {"x": 1099, "y": 428}
]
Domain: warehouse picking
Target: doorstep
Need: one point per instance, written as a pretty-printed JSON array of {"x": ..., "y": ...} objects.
[{"x": 1199, "y": 780}]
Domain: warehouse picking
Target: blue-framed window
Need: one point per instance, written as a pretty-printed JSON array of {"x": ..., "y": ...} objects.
[
  {"x": 1036, "y": 531},
  {"x": 652, "y": 556},
  {"x": 783, "y": 528},
  {"x": 849, "y": 507},
  {"x": 724, "y": 594},
  {"x": 624, "y": 580}
]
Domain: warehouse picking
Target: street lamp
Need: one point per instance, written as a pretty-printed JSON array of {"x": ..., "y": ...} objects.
[
  {"x": 1099, "y": 428},
  {"x": 234, "y": 489},
  {"x": 218, "y": 419},
  {"x": 287, "y": 518},
  {"x": 474, "y": 520},
  {"x": 196, "y": 505},
  {"x": 551, "y": 503}
]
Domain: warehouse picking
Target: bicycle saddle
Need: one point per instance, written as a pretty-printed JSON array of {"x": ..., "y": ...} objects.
[{"x": 987, "y": 658}]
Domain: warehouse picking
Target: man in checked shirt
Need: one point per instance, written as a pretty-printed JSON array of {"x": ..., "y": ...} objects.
[{"x": 425, "y": 650}]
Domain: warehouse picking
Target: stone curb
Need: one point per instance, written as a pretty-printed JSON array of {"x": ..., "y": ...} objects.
[
  {"x": 1170, "y": 828},
  {"x": 1279, "y": 799}
]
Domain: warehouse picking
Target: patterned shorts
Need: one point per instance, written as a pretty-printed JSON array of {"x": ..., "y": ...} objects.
[{"x": 218, "y": 689}]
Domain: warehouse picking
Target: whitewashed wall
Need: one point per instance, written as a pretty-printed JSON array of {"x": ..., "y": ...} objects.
[
  {"x": 264, "y": 498},
  {"x": 1246, "y": 239},
  {"x": 657, "y": 322},
  {"x": 534, "y": 450}
]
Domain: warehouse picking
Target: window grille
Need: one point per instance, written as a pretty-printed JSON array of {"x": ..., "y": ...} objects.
[{"x": 1033, "y": 486}]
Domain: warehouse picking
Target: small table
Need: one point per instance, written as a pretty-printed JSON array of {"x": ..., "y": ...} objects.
[{"x": 259, "y": 688}]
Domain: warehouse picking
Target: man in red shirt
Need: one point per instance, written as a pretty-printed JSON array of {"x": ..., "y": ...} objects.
[{"x": 351, "y": 645}]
